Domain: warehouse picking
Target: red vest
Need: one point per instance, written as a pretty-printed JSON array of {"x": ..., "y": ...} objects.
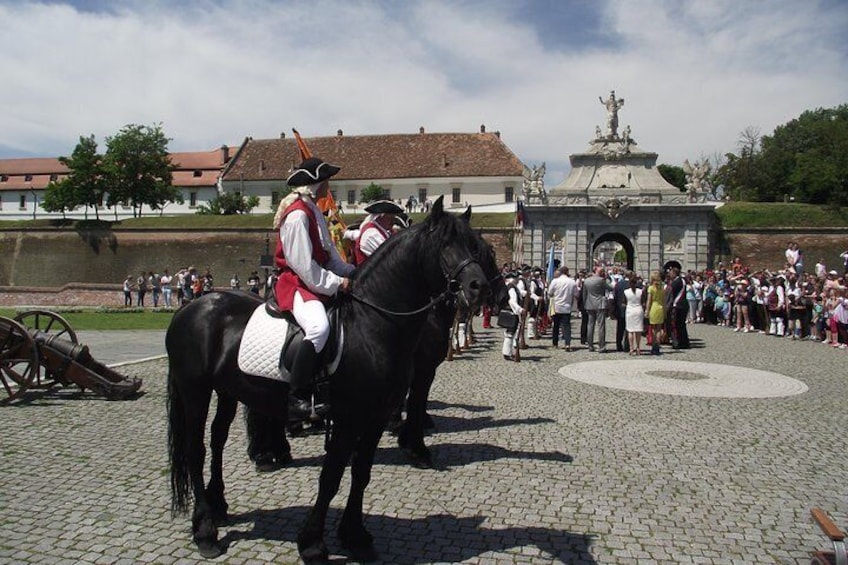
[
  {"x": 358, "y": 256},
  {"x": 288, "y": 281}
]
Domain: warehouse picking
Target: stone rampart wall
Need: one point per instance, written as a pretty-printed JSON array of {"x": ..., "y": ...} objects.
[{"x": 68, "y": 268}]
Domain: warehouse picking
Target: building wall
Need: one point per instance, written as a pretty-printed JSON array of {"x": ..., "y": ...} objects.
[
  {"x": 10, "y": 208},
  {"x": 476, "y": 191}
]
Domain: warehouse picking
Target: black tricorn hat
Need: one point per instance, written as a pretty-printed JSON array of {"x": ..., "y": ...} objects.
[
  {"x": 311, "y": 171},
  {"x": 383, "y": 207}
]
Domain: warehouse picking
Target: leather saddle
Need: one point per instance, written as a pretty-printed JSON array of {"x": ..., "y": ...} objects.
[{"x": 294, "y": 337}]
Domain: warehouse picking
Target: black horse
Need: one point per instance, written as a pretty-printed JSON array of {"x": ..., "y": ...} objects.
[
  {"x": 411, "y": 272},
  {"x": 432, "y": 351}
]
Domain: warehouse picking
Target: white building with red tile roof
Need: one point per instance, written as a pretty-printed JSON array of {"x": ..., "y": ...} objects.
[{"x": 475, "y": 169}]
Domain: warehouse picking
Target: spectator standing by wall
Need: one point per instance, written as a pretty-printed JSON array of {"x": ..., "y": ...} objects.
[
  {"x": 128, "y": 283},
  {"x": 156, "y": 289},
  {"x": 165, "y": 285},
  {"x": 141, "y": 289},
  {"x": 253, "y": 282}
]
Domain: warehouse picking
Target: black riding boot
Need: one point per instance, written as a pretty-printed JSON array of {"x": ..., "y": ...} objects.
[{"x": 302, "y": 374}]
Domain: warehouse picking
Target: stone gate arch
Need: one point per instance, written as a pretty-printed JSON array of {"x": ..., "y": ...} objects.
[{"x": 622, "y": 240}]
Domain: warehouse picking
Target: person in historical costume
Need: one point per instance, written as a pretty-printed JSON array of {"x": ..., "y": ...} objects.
[
  {"x": 310, "y": 272},
  {"x": 375, "y": 229},
  {"x": 514, "y": 299}
]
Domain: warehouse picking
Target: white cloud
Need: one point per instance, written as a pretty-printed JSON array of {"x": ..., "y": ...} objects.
[{"x": 693, "y": 74}]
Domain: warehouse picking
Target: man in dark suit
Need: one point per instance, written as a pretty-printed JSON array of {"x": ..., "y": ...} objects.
[
  {"x": 678, "y": 310},
  {"x": 594, "y": 293},
  {"x": 620, "y": 308}
]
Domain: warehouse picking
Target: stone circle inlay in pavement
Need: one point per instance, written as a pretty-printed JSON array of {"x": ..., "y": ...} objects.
[{"x": 684, "y": 378}]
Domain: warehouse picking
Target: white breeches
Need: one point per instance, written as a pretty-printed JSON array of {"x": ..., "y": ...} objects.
[
  {"x": 508, "y": 343},
  {"x": 312, "y": 317}
]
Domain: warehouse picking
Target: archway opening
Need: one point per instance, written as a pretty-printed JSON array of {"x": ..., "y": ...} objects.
[{"x": 613, "y": 250}]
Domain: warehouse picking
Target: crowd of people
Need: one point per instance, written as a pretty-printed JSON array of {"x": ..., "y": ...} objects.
[
  {"x": 172, "y": 291},
  {"x": 791, "y": 303}
]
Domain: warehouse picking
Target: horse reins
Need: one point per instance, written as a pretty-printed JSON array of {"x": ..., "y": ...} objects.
[{"x": 451, "y": 279}]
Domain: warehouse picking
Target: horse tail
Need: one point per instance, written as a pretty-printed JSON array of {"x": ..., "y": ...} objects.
[{"x": 178, "y": 458}]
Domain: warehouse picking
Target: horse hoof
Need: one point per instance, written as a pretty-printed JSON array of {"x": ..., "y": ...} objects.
[
  {"x": 314, "y": 554},
  {"x": 360, "y": 548},
  {"x": 429, "y": 424},
  {"x": 419, "y": 459},
  {"x": 209, "y": 550}
]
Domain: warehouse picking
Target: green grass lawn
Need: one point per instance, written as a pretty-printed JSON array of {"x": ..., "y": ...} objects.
[{"x": 106, "y": 319}]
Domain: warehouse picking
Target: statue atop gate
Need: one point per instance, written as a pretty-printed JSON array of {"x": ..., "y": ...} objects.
[{"x": 612, "y": 105}]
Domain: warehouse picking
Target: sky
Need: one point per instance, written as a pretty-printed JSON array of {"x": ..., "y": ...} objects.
[{"x": 693, "y": 74}]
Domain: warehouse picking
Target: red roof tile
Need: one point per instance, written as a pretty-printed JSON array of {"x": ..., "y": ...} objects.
[{"x": 366, "y": 157}]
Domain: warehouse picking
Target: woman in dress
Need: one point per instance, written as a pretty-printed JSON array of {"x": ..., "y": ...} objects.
[
  {"x": 634, "y": 314},
  {"x": 656, "y": 311}
]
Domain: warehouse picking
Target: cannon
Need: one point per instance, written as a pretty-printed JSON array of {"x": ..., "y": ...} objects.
[{"x": 39, "y": 350}]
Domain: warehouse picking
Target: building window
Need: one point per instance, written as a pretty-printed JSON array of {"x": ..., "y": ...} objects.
[
  {"x": 4, "y": 178},
  {"x": 276, "y": 196},
  {"x": 351, "y": 197},
  {"x": 22, "y": 204},
  {"x": 54, "y": 177},
  {"x": 422, "y": 196},
  {"x": 456, "y": 195},
  {"x": 192, "y": 199},
  {"x": 387, "y": 194},
  {"x": 198, "y": 174},
  {"x": 27, "y": 178},
  {"x": 509, "y": 195}
]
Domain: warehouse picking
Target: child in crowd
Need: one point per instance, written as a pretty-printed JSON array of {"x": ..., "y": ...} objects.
[{"x": 722, "y": 308}]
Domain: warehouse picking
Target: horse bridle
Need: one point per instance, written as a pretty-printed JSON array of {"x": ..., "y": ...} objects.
[{"x": 453, "y": 289}]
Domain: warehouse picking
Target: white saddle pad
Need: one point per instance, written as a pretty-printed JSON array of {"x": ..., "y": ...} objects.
[{"x": 259, "y": 350}]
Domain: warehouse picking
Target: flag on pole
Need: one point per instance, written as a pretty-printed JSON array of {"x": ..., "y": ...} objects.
[
  {"x": 550, "y": 272},
  {"x": 518, "y": 234}
]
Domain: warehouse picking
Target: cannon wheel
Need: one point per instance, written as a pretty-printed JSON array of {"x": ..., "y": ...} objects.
[
  {"x": 47, "y": 322},
  {"x": 19, "y": 364}
]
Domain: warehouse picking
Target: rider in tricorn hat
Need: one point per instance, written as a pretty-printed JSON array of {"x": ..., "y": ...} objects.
[
  {"x": 311, "y": 271},
  {"x": 376, "y": 228}
]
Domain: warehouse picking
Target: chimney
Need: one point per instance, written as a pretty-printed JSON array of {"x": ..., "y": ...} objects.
[
  {"x": 483, "y": 128},
  {"x": 339, "y": 133},
  {"x": 282, "y": 135},
  {"x": 225, "y": 154},
  {"x": 421, "y": 129}
]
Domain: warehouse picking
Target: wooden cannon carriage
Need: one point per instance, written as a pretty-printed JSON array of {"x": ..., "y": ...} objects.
[{"x": 39, "y": 349}]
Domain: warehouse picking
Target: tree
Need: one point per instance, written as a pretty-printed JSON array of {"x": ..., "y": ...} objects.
[
  {"x": 674, "y": 175},
  {"x": 228, "y": 204},
  {"x": 84, "y": 185},
  {"x": 372, "y": 192},
  {"x": 58, "y": 197},
  {"x": 139, "y": 169}
]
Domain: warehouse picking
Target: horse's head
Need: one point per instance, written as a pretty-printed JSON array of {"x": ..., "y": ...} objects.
[
  {"x": 485, "y": 255},
  {"x": 459, "y": 266}
]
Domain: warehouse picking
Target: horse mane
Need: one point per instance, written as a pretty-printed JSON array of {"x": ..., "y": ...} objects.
[{"x": 418, "y": 246}]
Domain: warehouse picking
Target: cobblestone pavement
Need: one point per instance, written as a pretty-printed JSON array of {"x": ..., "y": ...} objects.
[{"x": 533, "y": 467}]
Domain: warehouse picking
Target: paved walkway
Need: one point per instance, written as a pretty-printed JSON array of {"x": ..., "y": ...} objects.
[{"x": 543, "y": 461}]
